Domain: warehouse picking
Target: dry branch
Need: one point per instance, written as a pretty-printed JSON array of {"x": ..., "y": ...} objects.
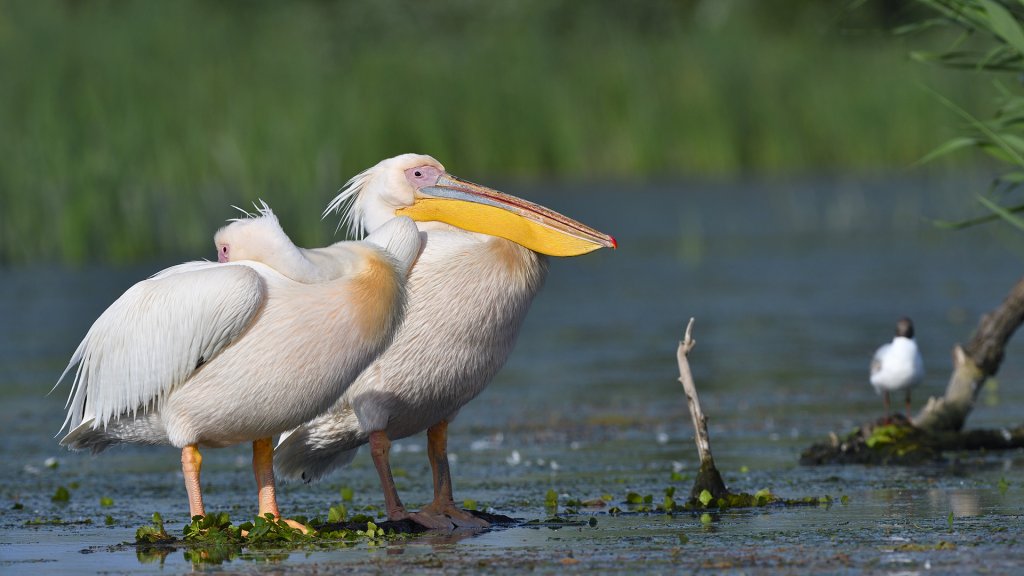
[{"x": 708, "y": 477}]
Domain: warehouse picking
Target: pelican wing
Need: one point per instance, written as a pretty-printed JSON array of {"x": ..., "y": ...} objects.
[{"x": 157, "y": 334}]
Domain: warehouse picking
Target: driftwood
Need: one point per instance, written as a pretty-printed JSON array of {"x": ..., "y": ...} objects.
[
  {"x": 937, "y": 428},
  {"x": 708, "y": 477},
  {"x": 973, "y": 364}
]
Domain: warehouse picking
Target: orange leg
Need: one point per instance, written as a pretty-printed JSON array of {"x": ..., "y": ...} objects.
[
  {"x": 263, "y": 467},
  {"x": 444, "y": 503},
  {"x": 191, "y": 463}
]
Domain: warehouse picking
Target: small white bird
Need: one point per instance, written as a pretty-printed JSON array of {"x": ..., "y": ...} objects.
[
  {"x": 213, "y": 354},
  {"x": 483, "y": 260},
  {"x": 897, "y": 365}
]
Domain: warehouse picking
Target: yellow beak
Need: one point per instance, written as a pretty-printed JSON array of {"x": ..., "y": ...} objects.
[{"x": 480, "y": 209}]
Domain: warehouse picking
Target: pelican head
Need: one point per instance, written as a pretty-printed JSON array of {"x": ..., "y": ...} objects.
[
  {"x": 418, "y": 186},
  {"x": 257, "y": 237}
]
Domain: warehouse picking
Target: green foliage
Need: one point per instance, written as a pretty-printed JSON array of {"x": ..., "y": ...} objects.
[
  {"x": 705, "y": 497},
  {"x": 56, "y": 522},
  {"x": 887, "y": 434},
  {"x": 61, "y": 495},
  {"x": 347, "y": 494},
  {"x": 129, "y": 129},
  {"x": 551, "y": 499},
  {"x": 337, "y": 513},
  {"x": 153, "y": 533},
  {"x": 106, "y": 501},
  {"x": 989, "y": 39}
]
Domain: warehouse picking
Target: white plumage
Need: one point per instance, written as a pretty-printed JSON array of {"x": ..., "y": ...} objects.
[
  {"x": 897, "y": 365},
  {"x": 212, "y": 354},
  {"x": 468, "y": 295}
]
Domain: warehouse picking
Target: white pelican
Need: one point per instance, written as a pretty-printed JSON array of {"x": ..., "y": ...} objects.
[
  {"x": 897, "y": 365},
  {"x": 481, "y": 265},
  {"x": 212, "y": 354}
]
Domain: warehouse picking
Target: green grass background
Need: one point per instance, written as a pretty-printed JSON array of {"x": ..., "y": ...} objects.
[{"x": 127, "y": 129}]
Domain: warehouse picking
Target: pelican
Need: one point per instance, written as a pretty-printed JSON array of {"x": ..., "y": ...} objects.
[
  {"x": 897, "y": 365},
  {"x": 482, "y": 262},
  {"x": 216, "y": 353}
]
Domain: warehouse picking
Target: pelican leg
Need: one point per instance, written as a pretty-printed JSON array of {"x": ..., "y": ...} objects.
[
  {"x": 263, "y": 467},
  {"x": 380, "y": 448},
  {"x": 444, "y": 503},
  {"x": 191, "y": 463}
]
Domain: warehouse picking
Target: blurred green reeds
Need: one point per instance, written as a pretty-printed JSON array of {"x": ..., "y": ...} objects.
[{"x": 128, "y": 129}]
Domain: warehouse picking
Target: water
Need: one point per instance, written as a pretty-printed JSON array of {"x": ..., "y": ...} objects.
[{"x": 793, "y": 286}]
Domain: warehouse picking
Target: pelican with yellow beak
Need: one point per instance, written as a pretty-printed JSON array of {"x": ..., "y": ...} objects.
[
  {"x": 484, "y": 258},
  {"x": 217, "y": 353}
]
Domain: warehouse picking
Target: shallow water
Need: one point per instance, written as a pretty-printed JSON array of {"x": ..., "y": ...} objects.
[{"x": 793, "y": 286}]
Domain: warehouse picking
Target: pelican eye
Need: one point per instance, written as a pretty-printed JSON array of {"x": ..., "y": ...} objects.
[{"x": 417, "y": 173}]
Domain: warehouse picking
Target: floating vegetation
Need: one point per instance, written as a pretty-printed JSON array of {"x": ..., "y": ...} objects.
[
  {"x": 56, "y": 522},
  {"x": 635, "y": 502},
  {"x": 911, "y": 547},
  {"x": 153, "y": 533},
  {"x": 61, "y": 495},
  {"x": 899, "y": 442},
  {"x": 214, "y": 539},
  {"x": 337, "y": 514},
  {"x": 106, "y": 501}
]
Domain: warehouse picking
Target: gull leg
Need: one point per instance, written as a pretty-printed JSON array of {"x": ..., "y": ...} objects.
[
  {"x": 885, "y": 398},
  {"x": 444, "y": 503},
  {"x": 191, "y": 463},
  {"x": 908, "y": 403},
  {"x": 263, "y": 467}
]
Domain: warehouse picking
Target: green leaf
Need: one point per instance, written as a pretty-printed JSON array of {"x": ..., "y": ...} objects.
[
  {"x": 469, "y": 504},
  {"x": 154, "y": 532},
  {"x": 980, "y": 126},
  {"x": 347, "y": 494},
  {"x": 106, "y": 501},
  {"x": 948, "y": 147},
  {"x": 634, "y": 498},
  {"x": 337, "y": 513},
  {"x": 1002, "y": 212},
  {"x": 551, "y": 499},
  {"x": 1003, "y": 485},
  {"x": 61, "y": 495},
  {"x": 705, "y": 497},
  {"x": 705, "y": 518},
  {"x": 1004, "y": 24}
]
